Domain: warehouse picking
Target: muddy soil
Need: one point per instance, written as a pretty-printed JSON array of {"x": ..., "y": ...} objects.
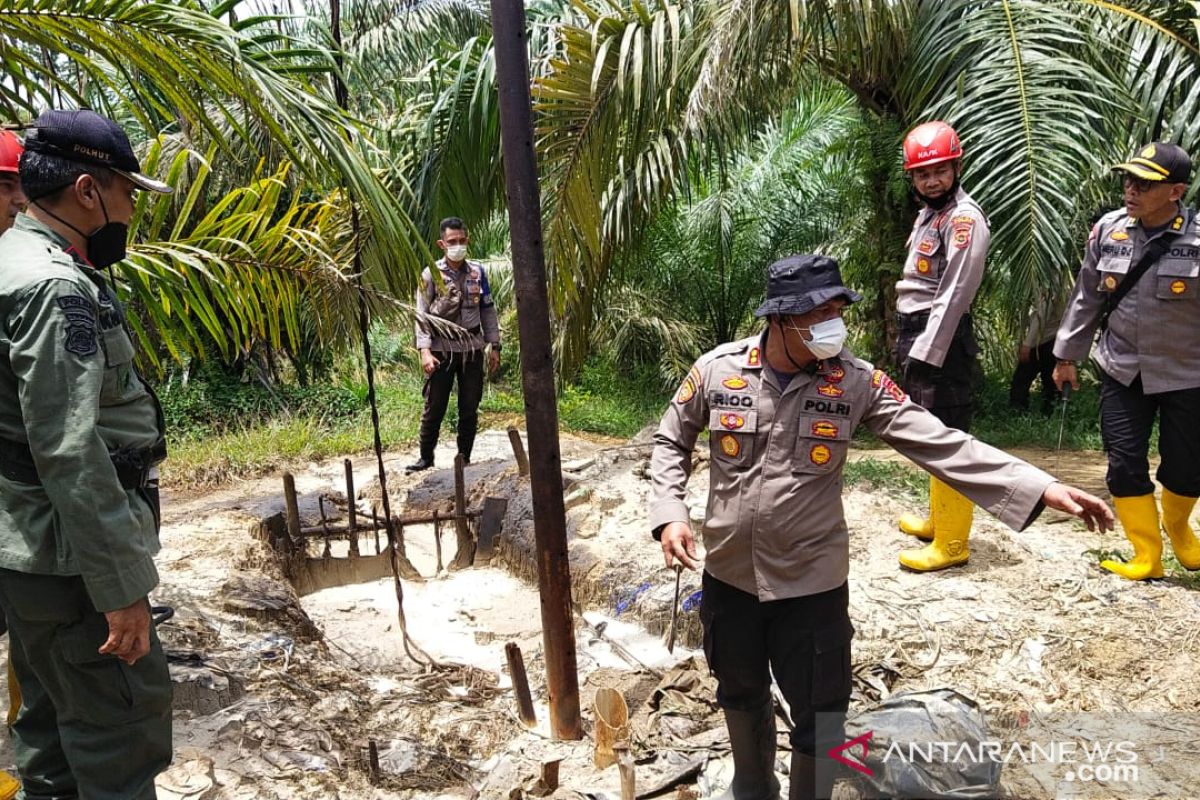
[{"x": 284, "y": 702}]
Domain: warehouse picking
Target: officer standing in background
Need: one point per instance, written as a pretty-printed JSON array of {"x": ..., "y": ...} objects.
[
  {"x": 80, "y": 435},
  {"x": 458, "y": 293},
  {"x": 935, "y": 343},
  {"x": 1139, "y": 286},
  {"x": 1035, "y": 354},
  {"x": 781, "y": 409}
]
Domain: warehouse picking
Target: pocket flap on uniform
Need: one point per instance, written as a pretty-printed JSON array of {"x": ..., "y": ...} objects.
[
  {"x": 834, "y": 429},
  {"x": 833, "y": 637},
  {"x": 118, "y": 349},
  {"x": 733, "y": 420},
  {"x": 1178, "y": 268}
]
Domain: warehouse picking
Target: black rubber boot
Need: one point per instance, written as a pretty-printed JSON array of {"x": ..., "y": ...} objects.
[
  {"x": 752, "y": 740},
  {"x": 812, "y": 778},
  {"x": 420, "y": 464}
]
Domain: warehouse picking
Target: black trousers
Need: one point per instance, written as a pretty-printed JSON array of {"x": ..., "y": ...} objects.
[
  {"x": 467, "y": 369},
  {"x": 1126, "y": 420},
  {"x": 1040, "y": 364},
  {"x": 948, "y": 391},
  {"x": 803, "y": 641}
]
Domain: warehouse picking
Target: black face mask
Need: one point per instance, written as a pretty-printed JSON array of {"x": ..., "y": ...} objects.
[
  {"x": 106, "y": 244},
  {"x": 938, "y": 203}
]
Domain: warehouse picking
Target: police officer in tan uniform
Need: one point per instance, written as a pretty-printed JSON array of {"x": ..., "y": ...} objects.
[
  {"x": 935, "y": 343},
  {"x": 449, "y": 358},
  {"x": 1148, "y": 353},
  {"x": 780, "y": 409}
]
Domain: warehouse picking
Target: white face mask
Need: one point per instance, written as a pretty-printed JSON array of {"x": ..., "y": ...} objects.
[
  {"x": 828, "y": 338},
  {"x": 456, "y": 252}
]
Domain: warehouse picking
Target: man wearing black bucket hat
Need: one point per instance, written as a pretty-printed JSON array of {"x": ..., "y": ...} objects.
[
  {"x": 80, "y": 436},
  {"x": 780, "y": 408},
  {"x": 1140, "y": 286}
]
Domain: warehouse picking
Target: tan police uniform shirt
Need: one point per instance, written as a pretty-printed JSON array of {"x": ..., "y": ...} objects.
[
  {"x": 1155, "y": 330},
  {"x": 774, "y": 524},
  {"x": 477, "y": 314},
  {"x": 946, "y": 254}
]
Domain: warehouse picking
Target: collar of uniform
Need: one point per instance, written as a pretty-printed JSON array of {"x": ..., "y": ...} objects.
[
  {"x": 1181, "y": 222},
  {"x": 444, "y": 266},
  {"x": 27, "y": 223},
  {"x": 928, "y": 213}
]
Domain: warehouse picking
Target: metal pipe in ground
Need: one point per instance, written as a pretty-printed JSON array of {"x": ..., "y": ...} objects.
[{"x": 537, "y": 364}]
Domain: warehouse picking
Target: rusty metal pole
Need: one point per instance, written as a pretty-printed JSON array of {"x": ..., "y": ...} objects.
[{"x": 537, "y": 364}]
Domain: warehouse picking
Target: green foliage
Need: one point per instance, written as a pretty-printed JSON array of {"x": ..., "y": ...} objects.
[
  {"x": 891, "y": 476},
  {"x": 998, "y": 424},
  {"x": 215, "y": 403}
]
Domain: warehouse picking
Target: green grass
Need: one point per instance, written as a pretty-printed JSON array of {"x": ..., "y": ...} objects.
[
  {"x": 221, "y": 429},
  {"x": 890, "y": 476}
]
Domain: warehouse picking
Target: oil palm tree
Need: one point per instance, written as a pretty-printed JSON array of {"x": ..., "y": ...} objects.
[{"x": 222, "y": 261}]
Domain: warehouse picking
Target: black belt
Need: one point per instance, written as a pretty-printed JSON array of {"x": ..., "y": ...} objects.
[
  {"x": 912, "y": 322},
  {"x": 134, "y": 465}
]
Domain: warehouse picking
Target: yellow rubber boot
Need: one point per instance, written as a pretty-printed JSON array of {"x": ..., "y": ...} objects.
[
  {"x": 918, "y": 526},
  {"x": 952, "y": 513},
  {"x": 9, "y": 786},
  {"x": 1139, "y": 518},
  {"x": 1176, "y": 520}
]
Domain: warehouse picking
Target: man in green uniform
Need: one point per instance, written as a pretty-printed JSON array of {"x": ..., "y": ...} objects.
[{"x": 80, "y": 435}]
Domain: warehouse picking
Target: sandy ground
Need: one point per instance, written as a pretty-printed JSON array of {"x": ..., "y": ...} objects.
[{"x": 1031, "y": 627}]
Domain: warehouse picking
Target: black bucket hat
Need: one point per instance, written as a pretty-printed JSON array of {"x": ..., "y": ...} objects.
[{"x": 798, "y": 284}]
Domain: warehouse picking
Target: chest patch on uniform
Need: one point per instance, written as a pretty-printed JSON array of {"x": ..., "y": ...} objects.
[
  {"x": 1110, "y": 282},
  {"x": 927, "y": 246},
  {"x": 820, "y": 454},
  {"x": 1118, "y": 236},
  {"x": 731, "y": 421},
  {"x": 687, "y": 390},
  {"x": 923, "y": 266},
  {"x": 1117, "y": 250},
  {"x": 824, "y": 429},
  {"x": 1184, "y": 252},
  {"x": 827, "y": 407},
  {"x": 1178, "y": 287},
  {"x": 81, "y": 325},
  {"x": 835, "y": 374},
  {"x": 730, "y": 445},
  {"x": 881, "y": 380},
  {"x": 829, "y": 390},
  {"x": 735, "y": 383}
]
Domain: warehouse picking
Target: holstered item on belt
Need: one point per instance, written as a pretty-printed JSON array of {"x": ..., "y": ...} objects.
[{"x": 134, "y": 465}]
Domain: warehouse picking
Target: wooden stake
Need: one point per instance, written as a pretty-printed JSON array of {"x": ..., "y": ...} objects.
[
  {"x": 351, "y": 510},
  {"x": 520, "y": 681},
  {"x": 466, "y": 545},
  {"x": 518, "y": 448}
]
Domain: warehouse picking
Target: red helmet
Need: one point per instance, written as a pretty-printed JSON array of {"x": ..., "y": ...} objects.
[
  {"x": 930, "y": 143},
  {"x": 10, "y": 151}
]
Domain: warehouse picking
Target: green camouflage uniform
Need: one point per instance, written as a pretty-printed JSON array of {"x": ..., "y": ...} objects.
[{"x": 74, "y": 541}]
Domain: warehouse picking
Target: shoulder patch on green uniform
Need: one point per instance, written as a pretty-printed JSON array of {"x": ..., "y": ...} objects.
[{"x": 81, "y": 324}]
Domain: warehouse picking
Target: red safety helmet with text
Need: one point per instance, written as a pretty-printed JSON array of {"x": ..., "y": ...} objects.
[
  {"x": 10, "y": 151},
  {"x": 931, "y": 143}
]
